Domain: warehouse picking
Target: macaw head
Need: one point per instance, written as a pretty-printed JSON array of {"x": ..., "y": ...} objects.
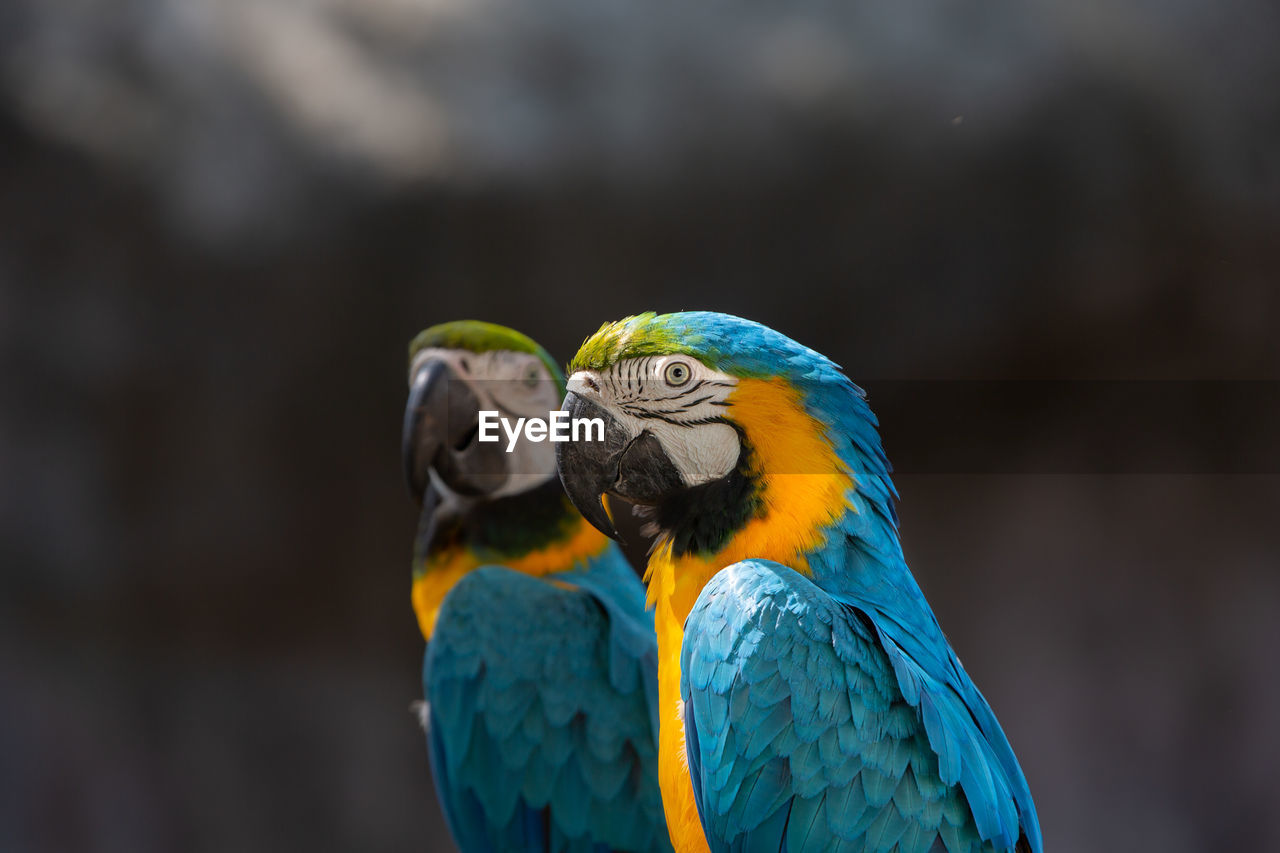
[
  {"x": 457, "y": 370},
  {"x": 718, "y": 425},
  {"x": 484, "y": 501}
]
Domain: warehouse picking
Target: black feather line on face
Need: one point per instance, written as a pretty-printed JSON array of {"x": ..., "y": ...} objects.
[
  {"x": 677, "y": 393},
  {"x": 695, "y": 386},
  {"x": 712, "y": 419},
  {"x": 655, "y": 415}
]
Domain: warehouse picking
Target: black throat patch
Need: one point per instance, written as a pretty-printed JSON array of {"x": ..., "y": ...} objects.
[
  {"x": 701, "y": 519},
  {"x": 511, "y": 526}
]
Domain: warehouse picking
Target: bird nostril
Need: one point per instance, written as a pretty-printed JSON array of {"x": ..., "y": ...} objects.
[{"x": 590, "y": 383}]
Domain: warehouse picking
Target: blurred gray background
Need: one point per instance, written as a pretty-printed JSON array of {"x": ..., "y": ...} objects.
[{"x": 221, "y": 222}]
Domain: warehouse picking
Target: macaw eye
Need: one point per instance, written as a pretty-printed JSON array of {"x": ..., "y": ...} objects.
[
  {"x": 676, "y": 374},
  {"x": 532, "y": 377}
]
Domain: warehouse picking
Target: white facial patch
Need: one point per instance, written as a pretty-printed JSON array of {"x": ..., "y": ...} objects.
[
  {"x": 516, "y": 385},
  {"x": 678, "y": 400}
]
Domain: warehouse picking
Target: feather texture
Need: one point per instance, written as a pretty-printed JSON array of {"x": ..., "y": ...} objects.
[
  {"x": 802, "y": 736},
  {"x": 542, "y": 726}
]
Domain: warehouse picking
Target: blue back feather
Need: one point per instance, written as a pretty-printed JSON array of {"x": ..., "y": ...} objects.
[{"x": 542, "y": 720}]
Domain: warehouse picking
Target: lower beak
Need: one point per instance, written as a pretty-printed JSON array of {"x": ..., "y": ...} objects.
[
  {"x": 427, "y": 523},
  {"x": 634, "y": 468}
]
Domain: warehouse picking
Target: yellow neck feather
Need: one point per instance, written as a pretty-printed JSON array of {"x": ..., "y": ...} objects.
[
  {"x": 804, "y": 488},
  {"x": 442, "y": 571}
]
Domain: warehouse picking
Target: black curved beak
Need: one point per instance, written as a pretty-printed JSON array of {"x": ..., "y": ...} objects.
[
  {"x": 635, "y": 468},
  {"x": 588, "y": 469},
  {"x": 441, "y": 425},
  {"x": 425, "y": 417}
]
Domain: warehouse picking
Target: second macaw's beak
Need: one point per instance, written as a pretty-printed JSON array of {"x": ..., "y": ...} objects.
[
  {"x": 441, "y": 427},
  {"x": 633, "y": 467}
]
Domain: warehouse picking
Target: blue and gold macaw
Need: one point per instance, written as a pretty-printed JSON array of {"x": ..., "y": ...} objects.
[
  {"x": 808, "y": 700},
  {"x": 541, "y": 666}
]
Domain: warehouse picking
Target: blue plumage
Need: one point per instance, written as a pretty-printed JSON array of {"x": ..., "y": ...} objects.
[
  {"x": 541, "y": 714},
  {"x": 815, "y": 725}
]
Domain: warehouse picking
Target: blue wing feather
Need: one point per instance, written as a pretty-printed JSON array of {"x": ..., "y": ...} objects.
[
  {"x": 542, "y": 715},
  {"x": 961, "y": 726},
  {"x": 811, "y": 725}
]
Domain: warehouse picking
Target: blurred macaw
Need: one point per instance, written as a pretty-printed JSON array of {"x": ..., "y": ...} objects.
[
  {"x": 541, "y": 665},
  {"x": 808, "y": 700}
]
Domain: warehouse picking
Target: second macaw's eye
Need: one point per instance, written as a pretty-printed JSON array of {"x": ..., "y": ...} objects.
[
  {"x": 676, "y": 374},
  {"x": 532, "y": 377}
]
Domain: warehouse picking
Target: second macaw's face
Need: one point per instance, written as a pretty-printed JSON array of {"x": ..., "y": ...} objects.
[
  {"x": 671, "y": 445},
  {"x": 449, "y": 390}
]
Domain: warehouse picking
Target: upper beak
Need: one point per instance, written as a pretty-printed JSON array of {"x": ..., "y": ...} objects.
[
  {"x": 425, "y": 417},
  {"x": 588, "y": 469},
  {"x": 441, "y": 422},
  {"x": 635, "y": 468}
]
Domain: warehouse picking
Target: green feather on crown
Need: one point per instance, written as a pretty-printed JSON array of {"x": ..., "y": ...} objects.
[{"x": 478, "y": 336}]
